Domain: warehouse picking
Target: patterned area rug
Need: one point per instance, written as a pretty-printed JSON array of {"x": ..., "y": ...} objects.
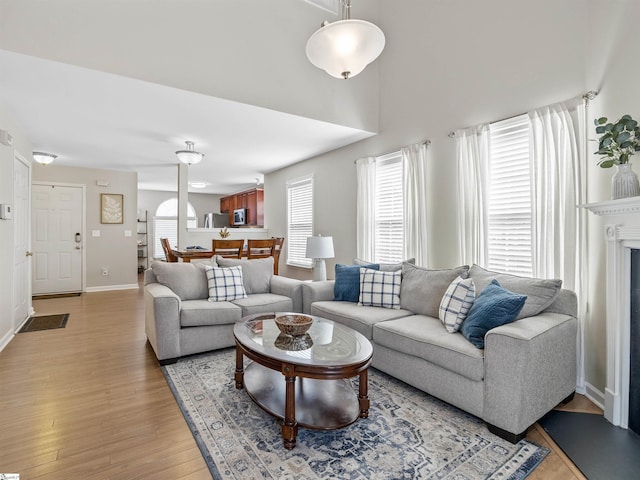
[
  {"x": 408, "y": 434},
  {"x": 45, "y": 322}
]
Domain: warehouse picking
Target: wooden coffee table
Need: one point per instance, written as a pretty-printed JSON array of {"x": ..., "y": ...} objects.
[{"x": 304, "y": 380}]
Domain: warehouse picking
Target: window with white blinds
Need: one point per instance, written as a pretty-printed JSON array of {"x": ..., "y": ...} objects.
[
  {"x": 165, "y": 224},
  {"x": 509, "y": 222},
  {"x": 299, "y": 220},
  {"x": 389, "y": 236}
]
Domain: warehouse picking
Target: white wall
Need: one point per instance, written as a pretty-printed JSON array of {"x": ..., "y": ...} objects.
[{"x": 111, "y": 249}]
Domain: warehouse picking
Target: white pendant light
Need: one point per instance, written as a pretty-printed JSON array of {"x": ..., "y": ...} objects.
[
  {"x": 44, "y": 158},
  {"x": 189, "y": 156},
  {"x": 344, "y": 48}
]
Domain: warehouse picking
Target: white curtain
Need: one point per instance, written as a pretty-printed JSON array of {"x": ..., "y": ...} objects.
[
  {"x": 558, "y": 141},
  {"x": 472, "y": 154},
  {"x": 414, "y": 187},
  {"x": 366, "y": 208}
]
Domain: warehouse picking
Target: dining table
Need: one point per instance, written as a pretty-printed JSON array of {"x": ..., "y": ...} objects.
[{"x": 188, "y": 254}]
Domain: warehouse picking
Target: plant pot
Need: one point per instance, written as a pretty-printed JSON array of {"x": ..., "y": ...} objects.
[{"x": 625, "y": 182}]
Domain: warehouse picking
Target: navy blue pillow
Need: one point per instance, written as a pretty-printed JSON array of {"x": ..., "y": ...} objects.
[
  {"x": 347, "y": 286},
  {"x": 494, "y": 306}
]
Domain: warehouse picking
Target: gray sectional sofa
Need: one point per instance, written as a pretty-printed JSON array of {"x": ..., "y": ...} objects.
[
  {"x": 179, "y": 318},
  {"x": 525, "y": 369}
]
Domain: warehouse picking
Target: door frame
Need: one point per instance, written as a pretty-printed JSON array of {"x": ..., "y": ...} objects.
[
  {"x": 83, "y": 224},
  {"x": 17, "y": 325}
]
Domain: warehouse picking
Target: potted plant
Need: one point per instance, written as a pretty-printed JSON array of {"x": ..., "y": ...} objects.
[{"x": 617, "y": 143}]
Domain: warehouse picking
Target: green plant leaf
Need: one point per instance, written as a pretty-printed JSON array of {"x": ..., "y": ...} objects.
[
  {"x": 618, "y": 127},
  {"x": 623, "y": 137},
  {"x": 608, "y": 127},
  {"x": 606, "y": 163},
  {"x": 625, "y": 117},
  {"x": 600, "y": 129},
  {"x": 600, "y": 121}
]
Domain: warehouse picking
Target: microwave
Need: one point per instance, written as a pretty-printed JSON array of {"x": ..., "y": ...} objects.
[{"x": 240, "y": 216}]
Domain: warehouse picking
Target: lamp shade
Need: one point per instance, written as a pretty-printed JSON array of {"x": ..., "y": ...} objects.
[
  {"x": 344, "y": 48},
  {"x": 44, "y": 158},
  {"x": 319, "y": 247},
  {"x": 189, "y": 156}
]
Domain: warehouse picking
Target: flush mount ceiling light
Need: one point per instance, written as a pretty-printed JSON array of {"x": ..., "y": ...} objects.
[
  {"x": 189, "y": 156},
  {"x": 44, "y": 158},
  {"x": 198, "y": 184},
  {"x": 344, "y": 48}
]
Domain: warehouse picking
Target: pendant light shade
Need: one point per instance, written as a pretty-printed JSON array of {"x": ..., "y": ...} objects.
[
  {"x": 44, "y": 158},
  {"x": 344, "y": 48},
  {"x": 189, "y": 156}
]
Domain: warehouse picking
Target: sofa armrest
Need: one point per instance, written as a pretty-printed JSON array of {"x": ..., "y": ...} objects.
[
  {"x": 289, "y": 287},
  {"x": 530, "y": 367},
  {"x": 162, "y": 320},
  {"x": 316, "y": 292}
]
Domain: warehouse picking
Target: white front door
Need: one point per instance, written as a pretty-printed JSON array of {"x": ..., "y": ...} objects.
[
  {"x": 57, "y": 238},
  {"x": 21, "y": 253}
]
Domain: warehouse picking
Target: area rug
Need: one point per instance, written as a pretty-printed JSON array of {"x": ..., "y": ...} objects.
[
  {"x": 408, "y": 434},
  {"x": 45, "y": 322}
]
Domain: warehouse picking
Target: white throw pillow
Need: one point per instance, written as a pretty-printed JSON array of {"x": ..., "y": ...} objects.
[
  {"x": 225, "y": 284},
  {"x": 456, "y": 303},
  {"x": 379, "y": 289}
]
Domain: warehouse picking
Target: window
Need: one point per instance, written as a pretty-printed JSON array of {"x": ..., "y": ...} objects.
[
  {"x": 509, "y": 214},
  {"x": 165, "y": 224},
  {"x": 299, "y": 220},
  {"x": 389, "y": 236}
]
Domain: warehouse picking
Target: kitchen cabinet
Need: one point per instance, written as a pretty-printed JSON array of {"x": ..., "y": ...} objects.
[{"x": 252, "y": 200}]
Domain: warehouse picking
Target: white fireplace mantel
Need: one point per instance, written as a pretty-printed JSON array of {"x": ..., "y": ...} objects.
[{"x": 622, "y": 234}]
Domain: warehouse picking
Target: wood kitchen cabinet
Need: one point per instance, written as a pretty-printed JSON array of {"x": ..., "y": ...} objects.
[{"x": 252, "y": 200}]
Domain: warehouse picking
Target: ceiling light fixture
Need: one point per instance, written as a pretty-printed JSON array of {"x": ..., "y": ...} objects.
[
  {"x": 189, "y": 156},
  {"x": 344, "y": 48},
  {"x": 44, "y": 158}
]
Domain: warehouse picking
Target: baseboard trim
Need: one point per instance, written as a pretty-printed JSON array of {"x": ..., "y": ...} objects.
[
  {"x": 4, "y": 341},
  {"x": 595, "y": 395},
  {"x": 108, "y": 288}
]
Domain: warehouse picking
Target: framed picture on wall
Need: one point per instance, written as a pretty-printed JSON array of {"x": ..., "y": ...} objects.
[{"x": 111, "y": 207}]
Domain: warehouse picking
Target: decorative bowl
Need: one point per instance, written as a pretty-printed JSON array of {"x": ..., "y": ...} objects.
[{"x": 294, "y": 324}]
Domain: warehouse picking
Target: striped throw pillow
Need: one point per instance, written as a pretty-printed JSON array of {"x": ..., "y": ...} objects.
[
  {"x": 225, "y": 283},
  {"x": 456, "y": 303},
  {"x": 379, "y": 289}
]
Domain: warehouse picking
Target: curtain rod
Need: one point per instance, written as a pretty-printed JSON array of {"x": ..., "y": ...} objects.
[
  {"x": 426, "y": 142},
  {"x": 590, "y": 95}
]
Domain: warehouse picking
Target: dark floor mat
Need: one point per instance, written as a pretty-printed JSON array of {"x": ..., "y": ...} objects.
[
  {"x": 600, "y": 450},
  {"x": 45, "y": 322}
]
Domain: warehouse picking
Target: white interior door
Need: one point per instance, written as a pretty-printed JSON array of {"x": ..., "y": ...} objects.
[
  {"x": 21, "y": 253},
  {"x": 57, "y": 238}
]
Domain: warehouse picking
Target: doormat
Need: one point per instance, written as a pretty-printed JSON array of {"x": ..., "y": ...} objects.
[
  {"x": 600, "y": 450},
  {"x": 45, "y": 322},
  {"x": 56, "y": 295}
]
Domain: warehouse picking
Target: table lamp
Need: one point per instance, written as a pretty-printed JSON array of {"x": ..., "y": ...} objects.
[{"x": 319, "y": 248}]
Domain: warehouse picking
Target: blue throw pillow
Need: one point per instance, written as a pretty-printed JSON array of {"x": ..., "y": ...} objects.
[
  {"x": 347, "y": 286},
  {"x": 494, "y": 306}
]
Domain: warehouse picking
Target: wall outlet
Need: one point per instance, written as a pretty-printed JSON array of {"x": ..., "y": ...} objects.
[{"x": 105, "y": 271}]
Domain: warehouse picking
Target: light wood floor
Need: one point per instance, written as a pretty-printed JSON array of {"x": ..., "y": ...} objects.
[{"x": 89, "y": 401}]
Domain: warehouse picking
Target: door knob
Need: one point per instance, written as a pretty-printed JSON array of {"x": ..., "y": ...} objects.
[
  {"x": 77, "y": 247},
  {"x": 28, "y": 253}
]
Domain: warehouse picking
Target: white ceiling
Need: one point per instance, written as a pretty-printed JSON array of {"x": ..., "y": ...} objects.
[{"x": 101, "y": 120}]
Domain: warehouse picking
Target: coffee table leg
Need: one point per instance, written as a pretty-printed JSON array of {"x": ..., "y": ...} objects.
[
  {"x": 290, "y": 426},
  {"x": 363, "y": 394},
  {"x": 239, "y": 375}
]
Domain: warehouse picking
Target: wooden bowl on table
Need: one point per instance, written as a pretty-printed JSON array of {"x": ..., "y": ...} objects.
[{"x": 294, "y": 324}]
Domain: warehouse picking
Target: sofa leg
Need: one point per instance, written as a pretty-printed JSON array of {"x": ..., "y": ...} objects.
[
  {"x": 508, "y": 436},
  {"x": 569, "y": 398},
  {"x": 167, "y": 361}
]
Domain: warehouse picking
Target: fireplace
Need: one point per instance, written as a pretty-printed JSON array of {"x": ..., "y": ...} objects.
[{"x": 622, "y": 235}]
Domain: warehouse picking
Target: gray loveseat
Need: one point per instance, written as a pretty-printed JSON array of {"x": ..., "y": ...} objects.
[
  {"x": 179, "y": 319},
  {"x": 525, "y": 369}
]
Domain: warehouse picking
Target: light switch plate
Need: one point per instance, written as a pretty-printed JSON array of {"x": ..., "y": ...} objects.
[
  {"x": 127, "y": 233},
  {"x": 95, "y": 233}
]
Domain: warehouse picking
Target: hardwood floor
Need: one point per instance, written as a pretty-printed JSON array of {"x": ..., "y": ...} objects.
[{"x": 89, "y": 401}]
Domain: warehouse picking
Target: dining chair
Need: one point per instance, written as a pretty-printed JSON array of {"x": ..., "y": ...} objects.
[
  {"x": 168, "y": 253},
  {"x": 227, "y": 248},
  {"x": 276, "y": 253},
  {"x": 261, "y": 248}
]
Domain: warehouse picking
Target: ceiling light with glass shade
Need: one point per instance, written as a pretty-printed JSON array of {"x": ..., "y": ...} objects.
[
  {"x": 189, "y": 156},
  {"x": 44, "y": 158},
  {"x": 344, "y": 48}
]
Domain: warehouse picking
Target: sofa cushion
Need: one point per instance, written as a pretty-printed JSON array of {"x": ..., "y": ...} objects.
[
  {"x": 379, "y": 289},
  {"x": 187, "y": 280},
  {"x": 422, "y": 289},
  {"x": 263, "y": 303},
  {"x": 347, "y": 285},
  {"x": 425, "y": 337},
  {"x": 540, "y": 292},
  {"x": 385, "y": 267},
  {"x": 494, "y": 306},
  {"x": 456, "y": 303},
  {"x": 197, "y": 313},
  {"x": 225, "y": 284},
  {"x": 359, "y": 318},
  {"x": 256, "y": 273}
]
